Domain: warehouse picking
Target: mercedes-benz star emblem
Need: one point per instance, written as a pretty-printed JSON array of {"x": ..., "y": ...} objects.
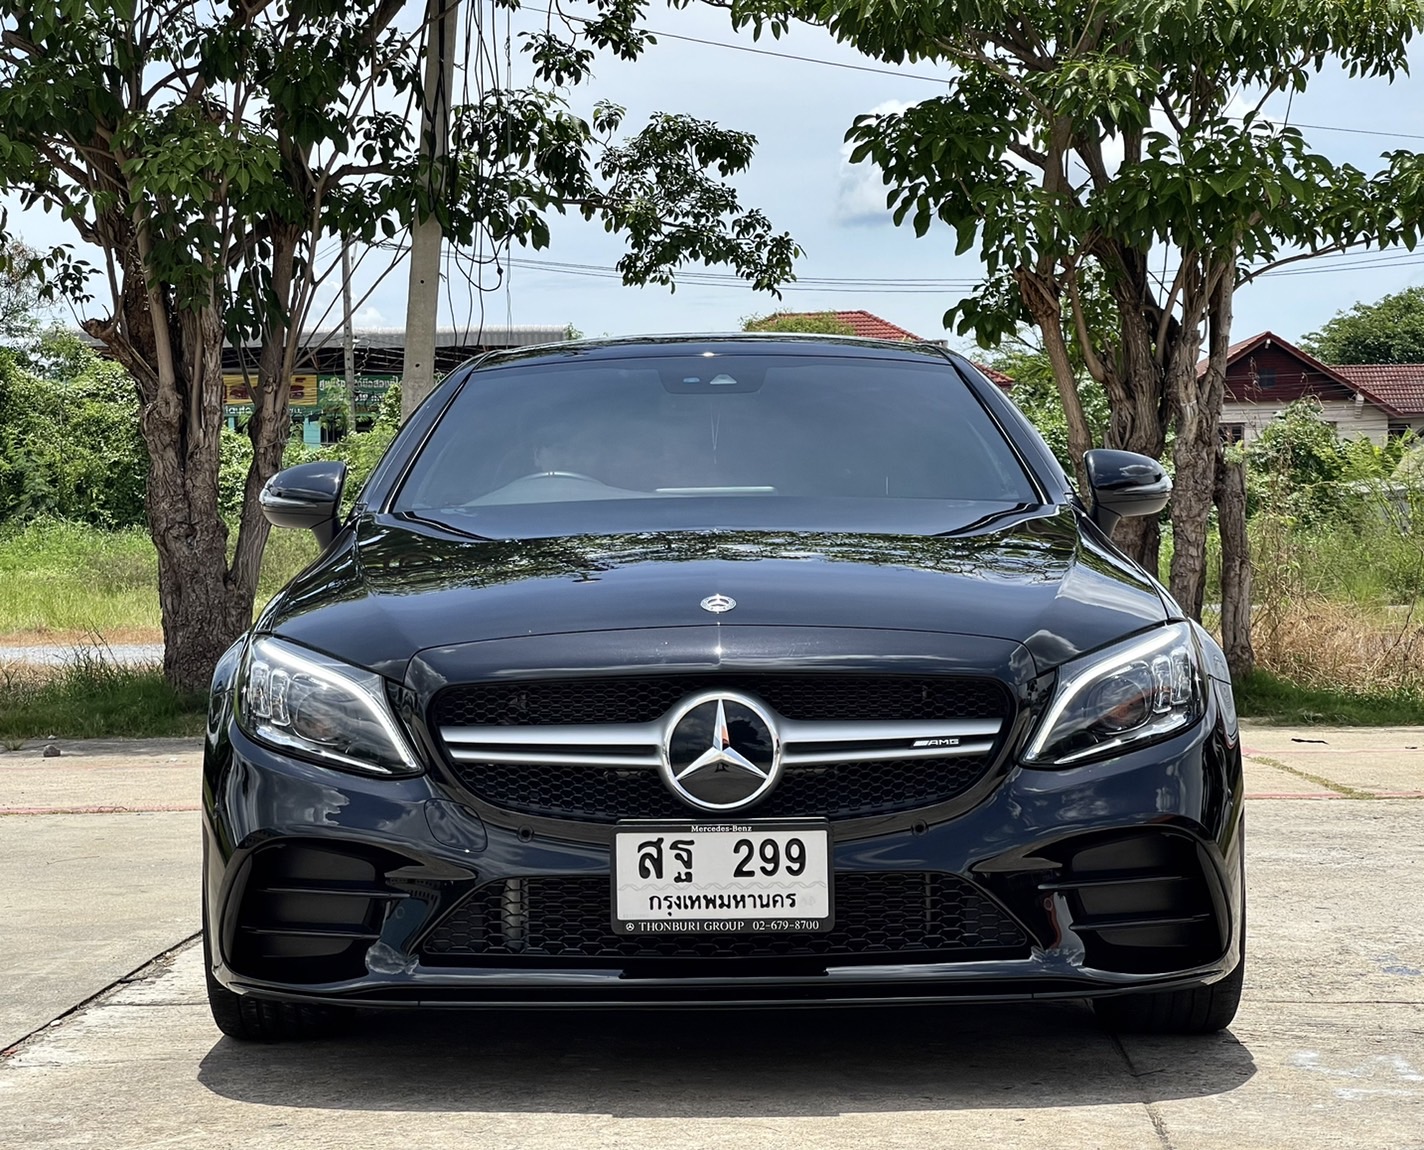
[
  {"x": 718, "y": 603},
  {"x": 722, "y": 752}
]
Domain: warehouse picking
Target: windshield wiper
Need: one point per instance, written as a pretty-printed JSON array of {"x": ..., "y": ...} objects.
[
  {"x": 989, "y": 520},
  {"x": 412, "y": 517}
]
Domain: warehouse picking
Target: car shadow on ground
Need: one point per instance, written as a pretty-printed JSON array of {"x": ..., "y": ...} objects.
[{"x": 725, "y": 1064}]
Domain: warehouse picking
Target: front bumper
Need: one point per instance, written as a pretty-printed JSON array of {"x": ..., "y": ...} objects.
[{"x": 1118, "y": 876}]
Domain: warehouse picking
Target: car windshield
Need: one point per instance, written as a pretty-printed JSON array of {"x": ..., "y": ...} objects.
[{"x": 727, "y": 439}]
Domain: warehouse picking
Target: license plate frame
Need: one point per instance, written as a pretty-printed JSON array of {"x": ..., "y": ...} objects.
[{"x": 712, "y": 905}]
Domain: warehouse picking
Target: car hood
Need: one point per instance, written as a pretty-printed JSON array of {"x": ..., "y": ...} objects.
[{"x": 388, "y": 589}]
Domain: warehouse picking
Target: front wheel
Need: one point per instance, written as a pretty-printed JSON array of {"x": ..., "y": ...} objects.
[
  {"x": 250, "y": 1019},
  {"x": 1198, "y": 1010}
]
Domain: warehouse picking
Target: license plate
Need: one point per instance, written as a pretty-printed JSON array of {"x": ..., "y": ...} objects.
[{"x": 731, "y": 878}]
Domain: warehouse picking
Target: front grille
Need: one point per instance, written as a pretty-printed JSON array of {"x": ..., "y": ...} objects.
[
  {"x": 603, "y": 793},
  {"x": 641, "y": 700},
  {"x": 925, "y": 917}
]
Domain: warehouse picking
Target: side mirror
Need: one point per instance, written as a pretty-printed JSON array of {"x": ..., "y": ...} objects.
[
  {"x": 307, "y": 495},
  {"x": 1125, "y": 483}
]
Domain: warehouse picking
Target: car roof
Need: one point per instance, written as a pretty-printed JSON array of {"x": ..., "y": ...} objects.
[{"x": 762, "y": 343}]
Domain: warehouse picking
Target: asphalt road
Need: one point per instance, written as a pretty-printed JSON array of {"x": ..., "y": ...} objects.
[
  {"x": 53, "y": 655},
  {"x": 1328, "y": 1050}
]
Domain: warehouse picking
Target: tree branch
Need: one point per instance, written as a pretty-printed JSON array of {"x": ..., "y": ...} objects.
[
  {"x": 1091, "y": 360},
  {"x": 1030, "y": 154},
  {"x": 1166, "y": 106},
  {"x": 1166, "y": 314},
  {"x": 1329, "y": 249}
]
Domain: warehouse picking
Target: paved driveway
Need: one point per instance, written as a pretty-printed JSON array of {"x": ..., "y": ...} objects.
[{"x": 1328, "y": 1050}]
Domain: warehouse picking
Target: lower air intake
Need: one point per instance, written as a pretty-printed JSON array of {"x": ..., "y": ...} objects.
[{"x": 915, "y": 916}]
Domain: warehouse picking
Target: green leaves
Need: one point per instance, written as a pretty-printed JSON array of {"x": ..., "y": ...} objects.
[
  {"x": 658, "y": 192},
  {"x": 200, "y": 134},
  {"x": 1079, "y": 137},
  {"x": 1390, "y": 330}
]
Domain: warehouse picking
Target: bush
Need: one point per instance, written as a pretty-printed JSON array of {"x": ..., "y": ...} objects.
[
  {"x": 69, "y": 443},
  {"x": 806, "y": 323},
  {"x": 360, "y": 452}
]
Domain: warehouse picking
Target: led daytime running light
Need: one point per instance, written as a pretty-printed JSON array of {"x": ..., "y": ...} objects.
[
  {"x": 303, "y": 701},
  {"x": 1093, "y": 711}
]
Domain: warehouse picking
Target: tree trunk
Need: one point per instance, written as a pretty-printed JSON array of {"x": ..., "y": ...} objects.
[
  {"x": 1196, "y": 398},
  {"x": 1137, "y": 424},
  {"x": 1041, "y": 300},
  {"x": 175, "y": 356},
  {"x": 1194, "y": 455},
  {"x": 1132, "y": 379},
  {"x": 1235, "y": 567},
  {"x": 181, "y": 424}
]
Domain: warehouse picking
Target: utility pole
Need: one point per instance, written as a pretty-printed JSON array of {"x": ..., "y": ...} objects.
[
  {"x": 427, "y": 236},
  {"x": 348, "y": 337}
]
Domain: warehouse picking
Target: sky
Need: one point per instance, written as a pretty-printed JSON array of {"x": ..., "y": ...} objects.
[{"x": 799, "y": 110}]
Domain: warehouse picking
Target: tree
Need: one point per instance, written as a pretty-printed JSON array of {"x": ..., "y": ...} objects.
[
  {"x": 1035, "y": 392},
  {"x": 207, "y": 150},
  {"x": 1390, "y": 330},
  {"x": 69, "y": 442},
  {"x": 1099, "y": 143},
  {"x": 810, "y": 323},
  {"x": 19, "y": 290}
]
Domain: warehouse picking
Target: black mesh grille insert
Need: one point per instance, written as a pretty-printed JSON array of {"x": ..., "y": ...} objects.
[
  {"x": 641, "y": 700},
  {"x": 838, "y": 791},
  {"x": 606, "y": 794},
  {"x": 917, "y": 914}
]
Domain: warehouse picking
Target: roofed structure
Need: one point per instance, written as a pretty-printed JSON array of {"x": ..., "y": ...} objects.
[
  {"x": 867, "y": 325},
  {"x": 1265, "y": 373},
  {"x": 380, "y": 351},
  {"x": 1398, "y": 386}
]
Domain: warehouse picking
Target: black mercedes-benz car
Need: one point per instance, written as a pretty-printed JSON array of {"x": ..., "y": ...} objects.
[{"x": 725, "y": 671}]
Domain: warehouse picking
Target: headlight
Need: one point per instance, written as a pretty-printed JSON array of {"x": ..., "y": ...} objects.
[
  {"x": 321, "y": 708},
  {"x": 1136, "y": 692}
]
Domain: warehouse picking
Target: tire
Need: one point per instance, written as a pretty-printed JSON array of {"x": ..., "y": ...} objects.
[
  {"x": 1198, "y": 1010},
  {"x": 251, "y": 1019}
]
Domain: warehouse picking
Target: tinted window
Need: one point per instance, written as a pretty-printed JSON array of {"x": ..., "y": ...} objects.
[{"x": 728, "y": 426}]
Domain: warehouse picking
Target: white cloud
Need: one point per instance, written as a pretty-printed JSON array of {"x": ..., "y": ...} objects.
[{"x": 860, "y": 194}]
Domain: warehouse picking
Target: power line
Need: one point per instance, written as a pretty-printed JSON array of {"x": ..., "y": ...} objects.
[
  {"x": 940, "y": 80},
  {"x": 1359, "y": 131},
  {"x": 727, "y": 279},
  {"x": 760, "y": 51},
  {"x": 730, "y": 277}
]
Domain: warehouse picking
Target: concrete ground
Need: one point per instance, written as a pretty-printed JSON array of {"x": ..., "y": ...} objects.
[{"x": 100, "y": 846}]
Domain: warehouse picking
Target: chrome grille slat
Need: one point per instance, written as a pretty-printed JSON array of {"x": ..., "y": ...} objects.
[
  {"x": 479, "y": 754},
  {"x": 881, "y": 730},
  {"x": 571, "y": 735},
  {"x": 864, "y": 754},
  {"x": 841, "y": 742}
]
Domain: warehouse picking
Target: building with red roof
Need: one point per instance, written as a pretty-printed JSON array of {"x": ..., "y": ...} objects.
[
  {"x": 869, "y": 326},
  {"x": 1265, "y": 373}
]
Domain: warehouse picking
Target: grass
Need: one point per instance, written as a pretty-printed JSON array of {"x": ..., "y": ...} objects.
[
  {"x": 75, "y": 586},
  {"x": 1267, "y": 696},
  {"x": 91, "y": 697},
  {"x": 63, "y": 581},
  {"x": 68, "y": 578}
]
